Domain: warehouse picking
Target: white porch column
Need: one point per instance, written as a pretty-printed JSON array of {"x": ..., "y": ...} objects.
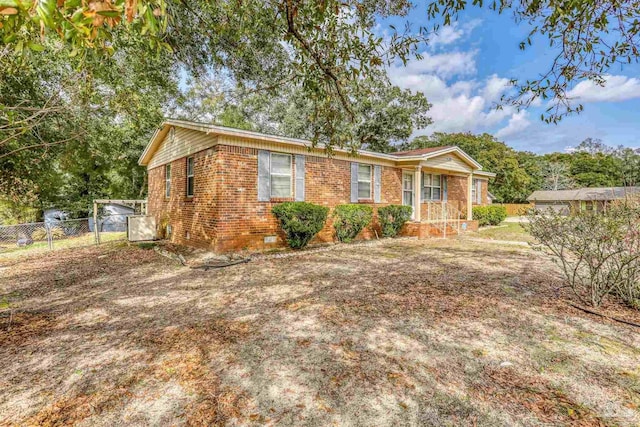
[
  {"x": 417, "y": 181},
  {"x": 469, "y": 199}
]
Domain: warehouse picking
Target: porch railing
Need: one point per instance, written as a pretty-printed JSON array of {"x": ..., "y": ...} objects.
[{"x": 445, "y": 216}]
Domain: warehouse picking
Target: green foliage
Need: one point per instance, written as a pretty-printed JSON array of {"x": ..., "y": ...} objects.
[
  {"x": 330, "y": 51},
  {"x": 82, "y": 25},
  {"x": 599, "y": 253},
  {"x": 489, "y": 215},
  {"x": 392, "y": 218},
  {"x": 387, "y": 113},
  {"x": 92, "y": 124},
  {"x": 349, "y": 220},
  {"x": 85, "y": 83},
  {"x": 16, "y": 213},
  {"x": 384, "y": 113},
  {"x": 300, "y": 221},
  {"x": 312, "y": 43}
]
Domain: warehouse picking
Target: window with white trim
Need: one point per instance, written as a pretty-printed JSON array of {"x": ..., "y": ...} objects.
[
  {"x": 190, "y": 176},
  {"x": 280, "y": 173},
  {"x": 431, "y": 187},
  {"x": 474, "y": 190},
  {"x": 364, "y": 181},
  {"x": 167, "y": 181}
]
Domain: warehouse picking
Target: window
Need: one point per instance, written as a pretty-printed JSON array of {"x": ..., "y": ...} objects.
[
  {"x": 190, "y": 178},
  {"x": 167, "y": 181},
  {"x": 431, "y": 186},
  {"x": 407, "y": 189},
  {"x": 364, "y": 181},
  {"x": 474, "y": 186},
  {"x": 280, "y": 171},
  {"x": 476, "y": 192}
]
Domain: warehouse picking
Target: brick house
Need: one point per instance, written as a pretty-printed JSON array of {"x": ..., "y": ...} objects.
[{"x": 214, "y": 187}]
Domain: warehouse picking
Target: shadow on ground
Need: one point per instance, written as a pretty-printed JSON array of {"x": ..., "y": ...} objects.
[{"x": 401, "y": 333}]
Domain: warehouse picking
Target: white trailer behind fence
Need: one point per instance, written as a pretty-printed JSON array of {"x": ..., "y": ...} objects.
[{"x": 109, "y": 222}]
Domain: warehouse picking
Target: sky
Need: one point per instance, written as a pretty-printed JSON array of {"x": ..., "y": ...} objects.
[{"x": 466, "y": 68}]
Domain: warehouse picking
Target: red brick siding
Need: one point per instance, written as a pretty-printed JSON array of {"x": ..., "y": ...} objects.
[
  {"x": 424, "y": 230},
  {"x": 194, "y": 215},
  {"x": 484, "y": 189},
  {"x": 457, "y": 189},
  {"x": 225, "y": 214},
  {"x": 245, "y": 222}
]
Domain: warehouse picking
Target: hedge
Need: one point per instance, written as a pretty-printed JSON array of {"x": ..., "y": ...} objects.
[
  {"x": 300, "y": 221},
  {"x": 349, "y": 220},
  {"x": 392, "y": 218},
  {"x": 489, "y": 215}
]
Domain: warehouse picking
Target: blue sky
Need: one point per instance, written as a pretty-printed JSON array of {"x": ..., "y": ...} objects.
[{"x": 466, "y": 68}]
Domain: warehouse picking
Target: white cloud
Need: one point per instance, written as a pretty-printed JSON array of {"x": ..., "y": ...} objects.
[
  {"x": 545, "y": 138},
  {"x": 455, "y": 114},
  {"x": 446, "y": 65},
  {"x": 465, "y": 105},
  {"x": 495, "y": 88},
  {"x": 616, "y": 88},
  {"x": 446, "y": 35},
  {"x": 517, "y": 123},
  {"x": 449, "y": 34}
]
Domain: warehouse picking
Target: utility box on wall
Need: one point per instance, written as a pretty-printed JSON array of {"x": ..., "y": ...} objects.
[{"x": 141, "y": 228}]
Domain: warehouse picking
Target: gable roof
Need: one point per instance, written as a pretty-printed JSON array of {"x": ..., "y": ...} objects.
[
  {"x": 580, "y": 194},
  {"x": 420, "y": 154}
]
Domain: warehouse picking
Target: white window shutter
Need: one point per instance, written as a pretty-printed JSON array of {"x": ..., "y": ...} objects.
[
  {"x": 377, "y": 183},
  {"x": 444, "y": 188},
  {"x": 354, "y": 182},
  {"x": 478, "y": 191},
  {"x": 300, "y": 177},
  {"x": 264, "y": 178}
]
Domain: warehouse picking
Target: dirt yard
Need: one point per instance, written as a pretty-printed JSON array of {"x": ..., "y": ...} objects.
[{"x": 401, "y": 332}]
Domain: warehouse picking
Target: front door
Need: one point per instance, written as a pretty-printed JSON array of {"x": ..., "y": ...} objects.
[{"x": 407, "y": 189}]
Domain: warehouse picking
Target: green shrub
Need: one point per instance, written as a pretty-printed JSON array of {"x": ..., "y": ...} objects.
[
  {"x": 392, "y": 218},
  {"x": 489, "y": 215},
  {"x": 300, "y": 221},
  {"x": 349, "y": 220}
]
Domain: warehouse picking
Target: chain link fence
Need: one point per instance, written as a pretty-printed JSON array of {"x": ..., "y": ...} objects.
[{"x": 59, "y": 234}]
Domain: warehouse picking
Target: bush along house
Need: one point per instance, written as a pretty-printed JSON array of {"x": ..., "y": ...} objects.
[{"x": 215, "y": 187}]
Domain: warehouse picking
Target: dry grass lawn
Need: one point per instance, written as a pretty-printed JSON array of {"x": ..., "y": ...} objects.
[{"x": 402, "y": 332}]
